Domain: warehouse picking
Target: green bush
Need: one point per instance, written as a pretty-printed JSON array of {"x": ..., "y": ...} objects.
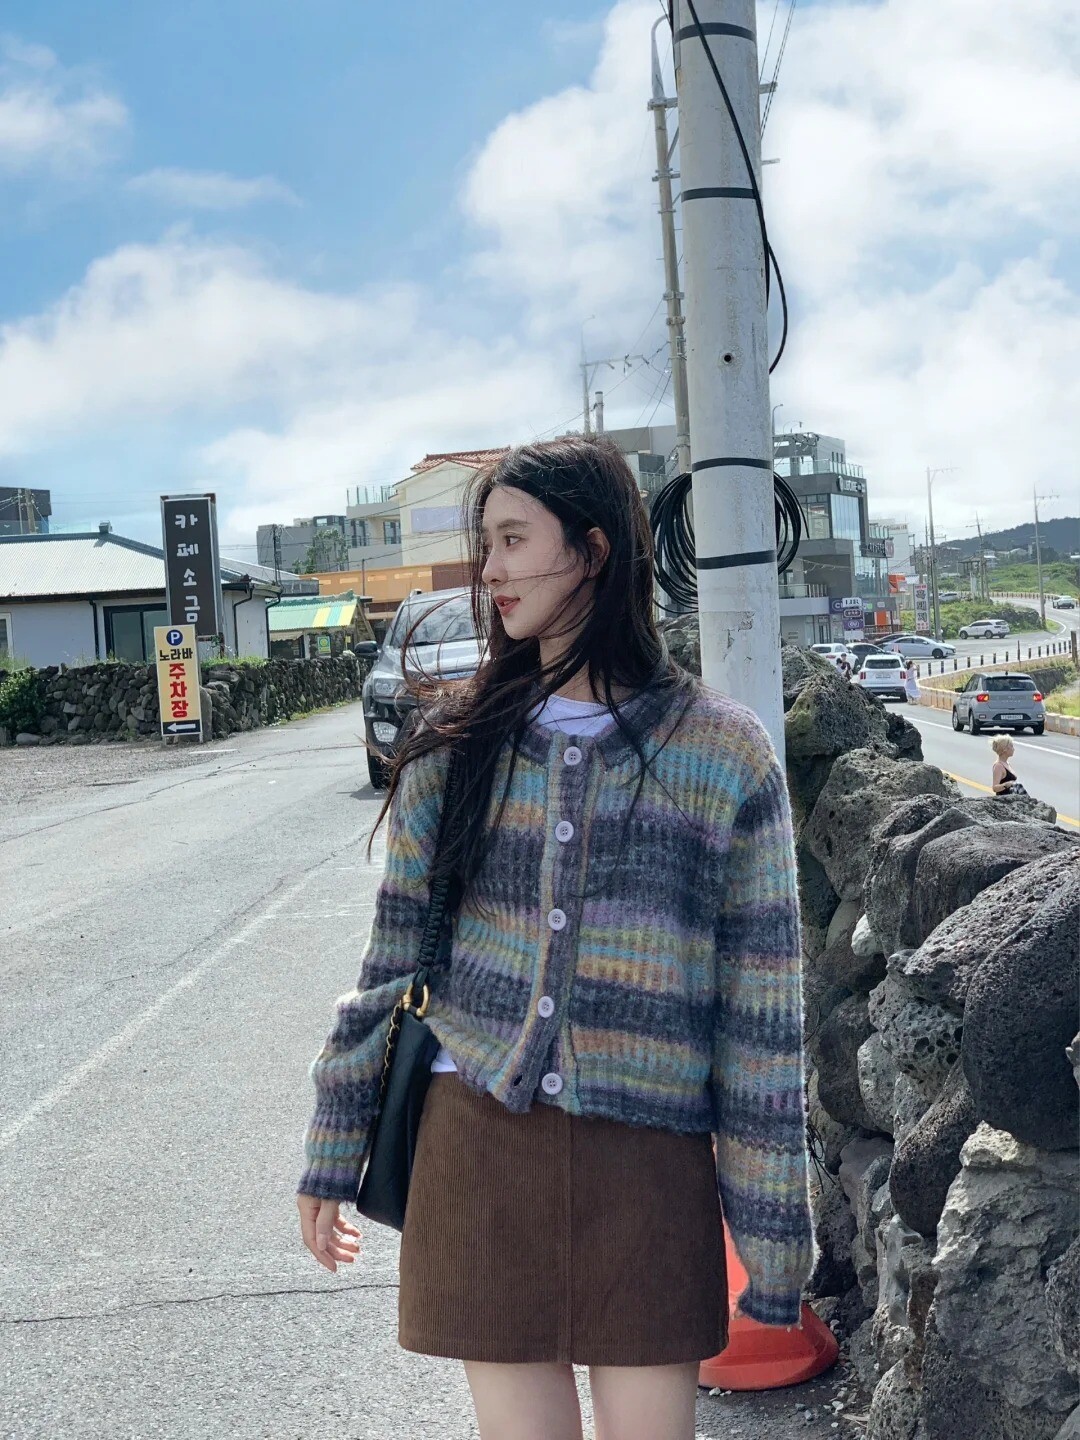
[
  {"x": 22, "y": 702},
  {"x": 1020, "y": 618}
]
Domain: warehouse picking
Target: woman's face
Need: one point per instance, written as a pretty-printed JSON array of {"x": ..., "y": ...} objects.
[{"x": 530, "y": 572}]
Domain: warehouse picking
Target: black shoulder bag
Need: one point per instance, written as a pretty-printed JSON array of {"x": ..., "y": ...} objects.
[{"x": 410, "y": 1049}]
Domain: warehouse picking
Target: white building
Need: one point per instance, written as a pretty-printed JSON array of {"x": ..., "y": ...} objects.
[
  {"x": 902, "y": 560},
  {"x": 74, "y": 599},
  {"x": 430, "y": 505}
]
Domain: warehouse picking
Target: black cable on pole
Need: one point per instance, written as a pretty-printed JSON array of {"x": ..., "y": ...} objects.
[
  {"x": 767, "y": 250},
  {"x": 675, "y": 561}
]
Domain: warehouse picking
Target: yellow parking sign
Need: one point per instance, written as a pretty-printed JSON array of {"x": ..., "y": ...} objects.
[{"x": 178, "y": 680}]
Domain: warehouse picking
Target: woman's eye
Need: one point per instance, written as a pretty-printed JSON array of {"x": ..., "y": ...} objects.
[{"x": 512, "y": 539}]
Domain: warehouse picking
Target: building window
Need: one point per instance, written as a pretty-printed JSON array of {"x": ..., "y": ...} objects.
[
  {"x": 359, "y": 532},
  {"x": 129, "y": 631},
  {"x": 6, "y": 650},
  {"x": 816, "y": 509},
  {"x": 391, "y": 532},
  {"x": 845, "y": 518}
]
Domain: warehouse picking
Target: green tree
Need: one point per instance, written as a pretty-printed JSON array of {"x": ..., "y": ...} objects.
[{"x": 329, "y": 550}]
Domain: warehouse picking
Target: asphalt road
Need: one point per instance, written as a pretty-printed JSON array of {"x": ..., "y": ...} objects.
[
  {"x": 1048, "y": 765},
  {"x": 171, "y": 941}
]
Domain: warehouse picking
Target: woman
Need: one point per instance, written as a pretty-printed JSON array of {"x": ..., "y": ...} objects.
[
  {"x": 911, "y": 683},
  {"x": 1002, "y": 778},
  {"x": 623, "y": 985}
]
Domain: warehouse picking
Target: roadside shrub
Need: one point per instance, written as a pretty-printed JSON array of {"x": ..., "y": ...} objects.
[
  {"x": 22, "y": 701},
  {"x": 954, "y": 613}
]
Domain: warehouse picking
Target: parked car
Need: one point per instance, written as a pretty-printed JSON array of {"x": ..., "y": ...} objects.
[
  {"x": 444, "y": 645},
  {"x": 1065, "y": 602},
  {"x": 883, "y": 675},
  {"x": 862, "y": 648},
  {"x": 948, "y": 596},
  {"x": 1008, "y": 702},
  {"x": 985, "y": 630},
  {"x": 920, "y": 647},
  {"x": 836, "y": 652}
]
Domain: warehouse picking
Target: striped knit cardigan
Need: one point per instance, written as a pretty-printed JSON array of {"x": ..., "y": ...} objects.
[{"x": 667, "y": 934}]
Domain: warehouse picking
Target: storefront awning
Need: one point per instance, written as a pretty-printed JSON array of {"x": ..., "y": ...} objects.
[{"x": 291, "y": 617}]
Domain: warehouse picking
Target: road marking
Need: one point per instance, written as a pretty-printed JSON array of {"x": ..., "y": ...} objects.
[
  {"x": 989, "y": 790},
  {"x": 123, "y": 1038}
]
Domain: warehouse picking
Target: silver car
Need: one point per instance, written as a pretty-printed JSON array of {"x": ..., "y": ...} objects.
[
  {"x": 1004, "y": 702},
  {"x": 920, "y": 647}
]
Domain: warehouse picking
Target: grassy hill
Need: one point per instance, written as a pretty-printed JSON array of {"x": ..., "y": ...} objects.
[
  {"x": 1060, "y": 578},
  {"x": 1062, "y": 533}
]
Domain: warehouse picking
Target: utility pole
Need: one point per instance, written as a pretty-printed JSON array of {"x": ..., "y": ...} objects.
[
  {"x": 587, "y": 422},
  {"x": 598, "y": 409},
  {"x": 276, "y": 532},
  {"x": 727, "y": 356},
  {"x": 980, "y": 567},
  {"x": 1038, "y": 553},
  {"x": 933, "y": 554},
  {"x": 588, "y": 373},
  {"x": 26, "y": 511},
  {"x": 931, "y": 475},
  {"x": 659, "y": 105}
]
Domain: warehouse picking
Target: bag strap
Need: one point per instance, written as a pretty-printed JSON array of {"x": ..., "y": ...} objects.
[{"x": 440, "y": 891}]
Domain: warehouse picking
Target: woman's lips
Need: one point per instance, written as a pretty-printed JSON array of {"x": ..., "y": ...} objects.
[{"x": 506, "y": 605}]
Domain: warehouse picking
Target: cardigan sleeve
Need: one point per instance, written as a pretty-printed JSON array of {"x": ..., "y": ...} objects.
[
  {"x": 348, "y": 1070},
  {"x": 758, "y": 1067}
]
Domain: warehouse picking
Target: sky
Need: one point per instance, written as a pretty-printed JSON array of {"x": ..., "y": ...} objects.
[{"x": 280, "y": 252}]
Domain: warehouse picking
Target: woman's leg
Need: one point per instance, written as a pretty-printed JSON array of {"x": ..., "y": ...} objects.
[
  {"x": 648, "y": 1402},
  {"x": 525, "y": 1402}
]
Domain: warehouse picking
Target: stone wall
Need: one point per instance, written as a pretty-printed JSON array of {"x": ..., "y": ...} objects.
[
  {"x": 119, "y": 701},
  {"x": 941, "y": 978}
]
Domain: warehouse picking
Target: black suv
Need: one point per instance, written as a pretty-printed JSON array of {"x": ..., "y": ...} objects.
[{"x": 444, "y": 644}]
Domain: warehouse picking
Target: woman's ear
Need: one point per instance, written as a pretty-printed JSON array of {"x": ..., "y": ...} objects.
[{"x": 599, "y": 550}]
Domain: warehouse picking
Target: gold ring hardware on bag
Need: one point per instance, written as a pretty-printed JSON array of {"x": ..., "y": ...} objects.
[{"x": 409, "y": 1004}]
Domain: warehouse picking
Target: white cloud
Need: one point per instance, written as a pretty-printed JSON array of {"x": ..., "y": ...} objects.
[
  {"x": 919, "y": 217},
  {"x": 562, "y": 190},
  {"x": 51, "y": 117},
  {"x": 209, "y": 190},
  {"x": 179, "y": 324}
]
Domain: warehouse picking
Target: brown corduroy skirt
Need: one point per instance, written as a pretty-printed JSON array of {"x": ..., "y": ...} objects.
[{"x": 549, "y": 1237}]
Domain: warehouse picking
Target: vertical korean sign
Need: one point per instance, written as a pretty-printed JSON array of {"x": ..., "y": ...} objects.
[
  {"x": 178, "y": 680},
  {"x": 922, "y": 609},
  {"x": 192, "y": 572}
]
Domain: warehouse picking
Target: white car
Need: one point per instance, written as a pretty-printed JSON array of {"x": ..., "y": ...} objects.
[
  {"x": 883, "y": 675},
  {"x": 920, "y": 647},
  {"x": 1065, "y": 602},
  {"x": 985, "y": 630},
  {"x": 835, "y": 653}
]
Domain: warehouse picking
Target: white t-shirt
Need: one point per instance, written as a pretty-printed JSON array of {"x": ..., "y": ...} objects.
[{"x": 571, "y": 717}]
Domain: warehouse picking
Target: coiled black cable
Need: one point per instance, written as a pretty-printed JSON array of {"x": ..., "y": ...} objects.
[{"x": 675, "y": 560}]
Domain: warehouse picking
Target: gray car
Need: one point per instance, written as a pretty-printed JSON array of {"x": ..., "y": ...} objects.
[
  {"x": 1003, "y": 702},
  {"x": 443, "y": 646}
]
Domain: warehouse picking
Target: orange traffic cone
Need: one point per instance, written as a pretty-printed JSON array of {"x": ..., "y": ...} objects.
[{"x": 764, "y": 1357}]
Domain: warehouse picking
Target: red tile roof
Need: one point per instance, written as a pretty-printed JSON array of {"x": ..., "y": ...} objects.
[{"x": 476, "y": 458}]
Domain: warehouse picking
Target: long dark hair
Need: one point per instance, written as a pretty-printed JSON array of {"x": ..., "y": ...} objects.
[{"x": 585, "y": 483}]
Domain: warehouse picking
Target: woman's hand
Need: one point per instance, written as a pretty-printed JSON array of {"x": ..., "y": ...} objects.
[{"x": 329, "y": 1238}]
